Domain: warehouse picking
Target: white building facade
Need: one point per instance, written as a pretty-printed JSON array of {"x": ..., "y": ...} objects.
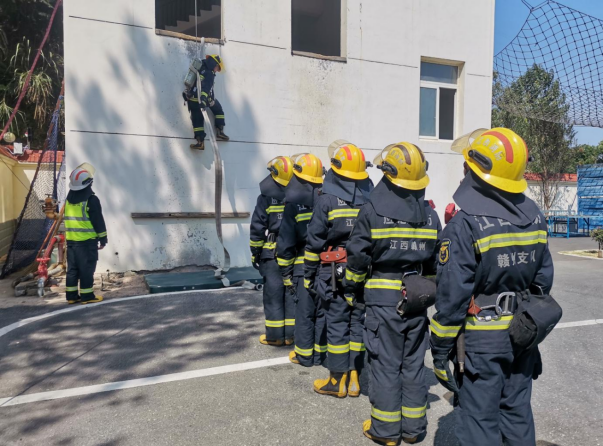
[{"x": 299, "y": 74}]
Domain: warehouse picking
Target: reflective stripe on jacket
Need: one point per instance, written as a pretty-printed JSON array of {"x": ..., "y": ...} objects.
[{"x": 77, "y": 222}]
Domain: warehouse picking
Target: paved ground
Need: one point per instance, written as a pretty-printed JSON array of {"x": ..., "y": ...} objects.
[{"x": 270, "y": 405}]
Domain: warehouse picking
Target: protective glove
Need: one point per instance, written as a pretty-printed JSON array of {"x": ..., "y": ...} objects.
[
  {"x": 203, "y": 102},
  {"x": 349, "y": 293},
  {"x": 441, "y": 368},
  {"x": 289, "y": 287},
  {"x": 309, "y": 285},
  {"x": 255, "y": 263}
]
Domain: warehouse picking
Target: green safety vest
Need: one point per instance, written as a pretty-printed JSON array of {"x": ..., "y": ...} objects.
[{"x": 77, "y": 222}]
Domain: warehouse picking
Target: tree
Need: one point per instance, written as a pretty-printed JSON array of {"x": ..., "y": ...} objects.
[
  {"x": 22, "y": 27},
  {"x": 586, "y": 154},
  {"x": 538, "y": 93}
]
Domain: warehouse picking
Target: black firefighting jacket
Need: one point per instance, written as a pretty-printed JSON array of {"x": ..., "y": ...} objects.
[
  {"x": 291, "y": 240},
  {"x": 207, "y": 76},
  {"x": 389, "y": 248},
  {"x": 265, "y": 224},
  {"x": 482, "y": 255},
  {"x": 331, "y": 225}
]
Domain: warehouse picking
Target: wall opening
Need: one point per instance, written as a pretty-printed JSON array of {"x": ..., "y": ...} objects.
[
  {"x": 177, "y": 17},
  {"x": 316, "y": 27}
]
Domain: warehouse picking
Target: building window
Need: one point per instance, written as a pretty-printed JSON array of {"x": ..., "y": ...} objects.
[
  {"x": 178, "y": 17},
  {"x": 316, "y": 27},
  {"x": 438, "y": 100}
]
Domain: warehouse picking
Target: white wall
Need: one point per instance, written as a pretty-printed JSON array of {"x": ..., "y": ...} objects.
[
  {"x": 124, "y": 111},
  {"x": 566, "y": 195}
]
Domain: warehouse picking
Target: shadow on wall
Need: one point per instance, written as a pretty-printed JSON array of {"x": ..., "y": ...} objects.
[
  {"x": 121, "y": 341},
  {"x": 166, "y": 171}
]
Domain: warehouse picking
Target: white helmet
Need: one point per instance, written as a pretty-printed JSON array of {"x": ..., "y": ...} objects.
[{"x": 81, "y": 177}]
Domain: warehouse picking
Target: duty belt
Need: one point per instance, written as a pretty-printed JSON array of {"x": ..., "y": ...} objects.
[{"x": 503, "y": 304}]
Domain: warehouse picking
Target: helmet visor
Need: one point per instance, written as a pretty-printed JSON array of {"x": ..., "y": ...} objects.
[
  {"x": 336, "y": 145},
  {"x": 87, "y": 167},
  {"x": 461, "y": 143}
]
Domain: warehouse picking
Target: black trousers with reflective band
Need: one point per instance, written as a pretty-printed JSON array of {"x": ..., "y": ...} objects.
[
  {"x": 310, "y": 328},
  {"x": 198, "y": 120},
  {"x": 398, "y": 392},
  {"x": 279, "y": 307},
  {"x": 345, "y": 344},
  {"x": 494, "y": 398},
  {"x": 81, "y": 264}
]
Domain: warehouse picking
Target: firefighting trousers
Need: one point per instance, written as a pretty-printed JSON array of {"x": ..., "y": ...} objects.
[
  {"x": 398, "y": 392},
  {"x": 345, "y": 345},
  {"x": 310, "y": 328},
  {"x": 494, "y": 399},
  {"x": 81, "y": 264},
  {"x": 197, "y": 117},
  {"x": 279, "y": 306}
]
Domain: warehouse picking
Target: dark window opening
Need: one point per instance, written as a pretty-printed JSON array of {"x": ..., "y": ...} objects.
[
  {"x": 316, "y": 26},
  {"x": 447, "y": 113},
  {"x": 178, "y": 16}
]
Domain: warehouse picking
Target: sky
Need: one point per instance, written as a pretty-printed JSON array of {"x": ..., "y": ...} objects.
[{"x": 510, "y": 17}]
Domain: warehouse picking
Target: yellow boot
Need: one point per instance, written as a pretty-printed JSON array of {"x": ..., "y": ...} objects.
[
  {"x": 94, "y": 300},
  {"x": 354, "y": 385},
  {"x": 265, "y": 341},
  {"x": 384, "y": 441},
  {"x": 334, "y": 385},
  {"x": 293, "y": 358},
  {"x": 289, "y": 341}
]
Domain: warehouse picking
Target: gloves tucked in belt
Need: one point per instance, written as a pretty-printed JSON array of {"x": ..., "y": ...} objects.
[
  {"x": 441, "y": 368},
  {"x": 309, "y": 285},
  {"x": 349, "y": 292},
  {"x": 255, "y": 258},
  {"x": 289, "y": 287}
]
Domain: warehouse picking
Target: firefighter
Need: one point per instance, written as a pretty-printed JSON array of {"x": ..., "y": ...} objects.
[
  {"x": 346, "y": 188},
  {"x": 396, "y": 234},
  {"x": 86, "y": 234},
  {"x": 279, "y": 307},
  {"x": 300, "y": 196},
  {"x": 197, "y": 102},
  {"x": 493, "y": 250}
]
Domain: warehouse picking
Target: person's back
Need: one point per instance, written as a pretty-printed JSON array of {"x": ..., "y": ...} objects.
[
  {"x": 494, "y": 251},
  {"x": 265, "y": 224},
  {"x": 86, "y": 234},
  {"x": 301, "y": 193}
]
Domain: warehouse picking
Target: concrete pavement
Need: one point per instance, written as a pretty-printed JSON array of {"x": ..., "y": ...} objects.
[{"x": 273, "y": 404}]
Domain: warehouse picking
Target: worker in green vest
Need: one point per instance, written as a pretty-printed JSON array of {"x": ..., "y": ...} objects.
[{"x": 86, "y": 234}]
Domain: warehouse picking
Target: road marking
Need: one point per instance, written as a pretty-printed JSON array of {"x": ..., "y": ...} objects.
[
  {"x": 161, "y": 379},
  {"x": 579, "y": 323},
  {"x": 73, "y": 308},
  {"x": 130, "y": 384}
]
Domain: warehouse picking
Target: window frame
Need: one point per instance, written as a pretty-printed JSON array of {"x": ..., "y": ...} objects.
[
  {"x": 343, "y": 42},
  {"x": 437, "y": 86},
  {"x": 177, "y": 35}
]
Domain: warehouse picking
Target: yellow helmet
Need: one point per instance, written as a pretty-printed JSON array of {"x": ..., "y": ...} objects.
[
  {"x": 281, "y": 169},
  {"x": 498, "y": 156},
  {"x": 308, "y": 166},
  {"x": 218, "y": 60},
  {"x": 348, "y": 160},
  {"x": 404, "y": 165}
]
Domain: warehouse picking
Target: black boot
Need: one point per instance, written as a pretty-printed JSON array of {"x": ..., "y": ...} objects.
[
  {"x": 220, "y": 134},
  {"x": 200, "y": 145}
]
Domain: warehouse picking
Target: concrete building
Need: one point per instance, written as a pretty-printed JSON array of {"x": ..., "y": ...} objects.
[{"x": 299, "y": 74}]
